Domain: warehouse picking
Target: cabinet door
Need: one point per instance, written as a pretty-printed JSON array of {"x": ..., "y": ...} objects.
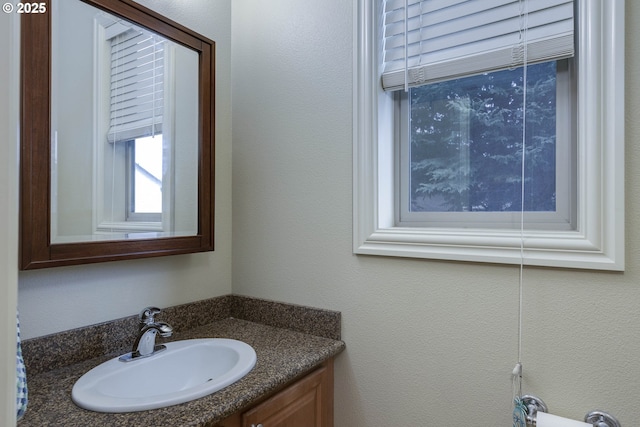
[{"x": 306, "y": 403}]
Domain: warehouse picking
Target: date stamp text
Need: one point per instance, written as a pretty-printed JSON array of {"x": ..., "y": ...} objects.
[{"x": 24, "y": 8}]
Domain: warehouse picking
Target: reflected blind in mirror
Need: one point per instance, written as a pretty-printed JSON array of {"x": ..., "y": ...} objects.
[{"x": 137, "y": 85}]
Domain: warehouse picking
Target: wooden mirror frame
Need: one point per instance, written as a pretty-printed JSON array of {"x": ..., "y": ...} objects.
[{"x": 36, "y": 249}]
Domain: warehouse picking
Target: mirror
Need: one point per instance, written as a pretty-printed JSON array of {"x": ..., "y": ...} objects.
[{"x": 117, "y": 135}]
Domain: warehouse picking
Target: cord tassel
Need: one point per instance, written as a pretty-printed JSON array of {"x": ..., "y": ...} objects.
[{"x": 519, "y": 408}]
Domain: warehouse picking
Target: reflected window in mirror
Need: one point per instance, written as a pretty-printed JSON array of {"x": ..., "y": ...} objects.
[
  {"x": 144, "y": 179},
  {"x": 127, "y": 80},
  {"x": 135, "y": 96}
]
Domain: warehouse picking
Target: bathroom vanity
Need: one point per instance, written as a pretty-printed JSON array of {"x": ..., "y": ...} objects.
[{"x": 291, "y": 383}]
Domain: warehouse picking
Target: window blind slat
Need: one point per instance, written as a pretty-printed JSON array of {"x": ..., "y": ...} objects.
[
  {"x": 430, "y": 4},
  {"x": 463, "y": 66},
  {"x": 544, "y": 24},
  {"x": 138, "y": 58},
  {"x": 460, "y": 18},
  {"x": 422, "y": 14},
  {"x": 134, "y": 74},
  {"x": 131, "y": 46},
  {"x": 139, "y": 101},
  {"x": 447, "y": 36},
  {"x": 147, "y": 127},
  {"x": 131, "y": 118},
  {"x": 137, "y": 85}
]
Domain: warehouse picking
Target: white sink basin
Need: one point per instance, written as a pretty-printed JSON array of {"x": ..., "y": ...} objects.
[{"x": 185, "y": 371}]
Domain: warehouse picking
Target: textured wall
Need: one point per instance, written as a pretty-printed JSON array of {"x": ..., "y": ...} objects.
[
  {"x": 8, "y": 214},
  {"x": 428, "y": 343},
  {"x": 52, "y": 300}
]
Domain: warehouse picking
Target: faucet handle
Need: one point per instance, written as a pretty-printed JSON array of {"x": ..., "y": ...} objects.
[{"x": 147, "y": 316}]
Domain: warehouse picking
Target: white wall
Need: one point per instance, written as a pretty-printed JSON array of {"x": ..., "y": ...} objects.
[
  {"x": 9, "y": 36},
  {"x": 428, "y": 343},
  {"x": 57, "y": 299}
]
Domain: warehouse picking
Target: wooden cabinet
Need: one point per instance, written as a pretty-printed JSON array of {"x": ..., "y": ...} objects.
[{"x": 307, "y": 402}]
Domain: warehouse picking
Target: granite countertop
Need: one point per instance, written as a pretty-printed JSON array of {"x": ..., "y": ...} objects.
[{"x": 282, "y": 356}]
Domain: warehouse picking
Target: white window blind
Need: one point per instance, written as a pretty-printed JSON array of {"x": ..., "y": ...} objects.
[
  {"x": 137, "y": 85},
  {"x": 445, "y": 39}
]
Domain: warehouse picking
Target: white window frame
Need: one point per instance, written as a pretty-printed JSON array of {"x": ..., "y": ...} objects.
[{"x": 597, "y": 242}]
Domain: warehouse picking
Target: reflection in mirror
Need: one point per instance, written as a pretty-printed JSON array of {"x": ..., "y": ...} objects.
[
  {"x": 124, "y": 128},
  {"x": 117, "y": 135}
]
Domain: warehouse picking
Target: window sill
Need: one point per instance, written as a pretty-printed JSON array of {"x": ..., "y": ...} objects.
[{"x": 552, "y": 249}]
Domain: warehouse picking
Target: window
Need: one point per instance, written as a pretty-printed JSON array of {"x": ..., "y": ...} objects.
[
  {"x": 426, "y": 186},
  {"x": 460, "y": 161},
  {"x": 144, "y": 179},
  {"x": 133, "y": 142}
]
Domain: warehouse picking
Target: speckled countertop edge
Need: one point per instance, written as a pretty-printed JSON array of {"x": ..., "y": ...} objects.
[
  {"x": 282, "y": 355},
  {"x": 289, "y": 340}
]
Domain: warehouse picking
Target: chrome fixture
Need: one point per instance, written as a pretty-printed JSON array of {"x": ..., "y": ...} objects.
[
  {"x": 596, "y": 418},
  {"x": 145, "y": 343},
  {"x": 533, "y": 405},
  {"x": 601, "y": 419}
]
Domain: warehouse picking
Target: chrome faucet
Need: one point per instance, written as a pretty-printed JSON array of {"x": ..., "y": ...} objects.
[{"x": 145, "y": 343}]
